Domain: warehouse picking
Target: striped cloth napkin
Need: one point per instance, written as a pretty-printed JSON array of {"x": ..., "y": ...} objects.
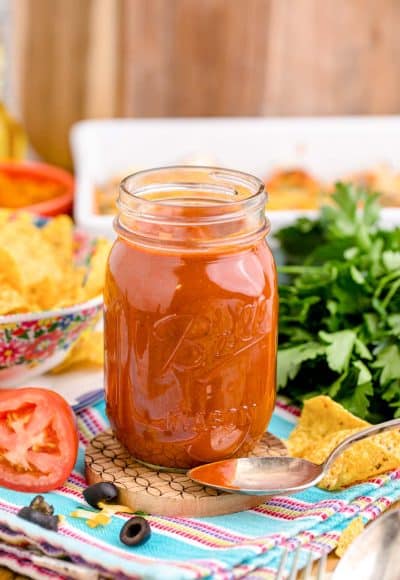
[{"x": 247, "y": 544}]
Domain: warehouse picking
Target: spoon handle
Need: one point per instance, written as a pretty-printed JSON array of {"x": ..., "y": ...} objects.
[{"x": 373, "y": 430}]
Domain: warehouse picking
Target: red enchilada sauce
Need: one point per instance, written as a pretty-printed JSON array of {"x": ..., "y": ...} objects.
[{"x": 190, "y": 317}]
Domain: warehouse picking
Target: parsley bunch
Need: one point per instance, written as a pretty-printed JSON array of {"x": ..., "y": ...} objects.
[{"x": 339, "y": 325}]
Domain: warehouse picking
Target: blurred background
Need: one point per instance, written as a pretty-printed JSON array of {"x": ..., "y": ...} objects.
[{"x": 66, "y": 60}]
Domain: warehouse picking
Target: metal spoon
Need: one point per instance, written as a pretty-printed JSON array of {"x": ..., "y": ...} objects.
[{"x": 275, "y": 475}]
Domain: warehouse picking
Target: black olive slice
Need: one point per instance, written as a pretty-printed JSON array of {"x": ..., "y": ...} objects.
[
  {"x": 43, "y": 520},
  {"x": 135, "y": 531},
  {"x": 40, "y": 504},
  {"x": 100, "y": 492}
]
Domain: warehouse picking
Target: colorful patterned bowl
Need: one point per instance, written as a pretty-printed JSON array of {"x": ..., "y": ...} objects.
[{"x": 35, "y": 342}]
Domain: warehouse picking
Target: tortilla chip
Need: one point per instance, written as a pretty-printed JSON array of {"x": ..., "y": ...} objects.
[
  {"x": 323, "y": 425},
  {"x": 71, "y": 289},
  {"x": 87, "y": 350},
  {"x": 318, "y": 452},
  {"x": 44, "y": 293},
  {"x": 7, "y": 215},
  {"x": 9, "y": 271},
  {"x": 58, "y": 232},
  {"x": 30, "y": 251},
  {"x": 12, "y": 301},
  {"x": 389, "y": 441},
  {"x": 40, "y": 268},
  {"x": 360, "y": 462},
  {"x": 349, "y": 534},
  {"x": 95, "y": 279},
  {"x": 320, "y": 417}
]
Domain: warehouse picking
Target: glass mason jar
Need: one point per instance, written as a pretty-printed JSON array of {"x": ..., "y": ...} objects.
[{"x": 190, "y": 316}]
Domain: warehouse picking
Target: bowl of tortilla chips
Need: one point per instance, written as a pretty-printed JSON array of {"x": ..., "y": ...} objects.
[{"x": 51, "y": 284}]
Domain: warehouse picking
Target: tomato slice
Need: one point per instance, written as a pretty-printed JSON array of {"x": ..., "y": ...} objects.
[{"x": 38, "y": 439}]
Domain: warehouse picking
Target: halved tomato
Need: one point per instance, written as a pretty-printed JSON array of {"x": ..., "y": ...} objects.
[{"x": 38, "y": 439}]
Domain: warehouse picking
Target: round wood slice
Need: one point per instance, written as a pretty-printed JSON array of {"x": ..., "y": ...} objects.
[{"x": 165, "y": 493}]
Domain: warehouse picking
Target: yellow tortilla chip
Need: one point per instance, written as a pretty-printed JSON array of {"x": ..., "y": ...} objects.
[
  {"x": 389, "y": 441},
  {"x": 320, "y": 417},
  {"x": 358, "y": 463},
  {"x": 4, "y": 216},
  {"x": 320, "y": 450},
  {"x": 9, "y": 271},
  {"x": 30, "y": 251},
  {"x": 38, "y": 263},
  {"x": 349, "y": 534},
  {"x": 44, "y": 293},
  {"x": 323, "y": 425},
  {"x": 12, "y": 301},
  {"x": 20, "y": 217},
  {"x": 58, "y": 232},
  {"x": 87, "y": 350},
  {"x": 95, "y": 279},
  {"x": 71, "y": 289}
]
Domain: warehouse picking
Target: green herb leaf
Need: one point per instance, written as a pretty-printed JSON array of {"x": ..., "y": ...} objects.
[
  {"x": 362, "y": 350},
  {"x": 391, "y": 260},
  {"x": 340, "y": 348},
  {"x": 359, "y": 401},
  {"x": 290, "y": 360},
  {"x": 388, "y": 359},
  {"x": 364, "y": 374}
]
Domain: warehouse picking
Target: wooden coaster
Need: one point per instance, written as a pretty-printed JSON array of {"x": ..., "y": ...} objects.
[{"x": 165, "y": 493}]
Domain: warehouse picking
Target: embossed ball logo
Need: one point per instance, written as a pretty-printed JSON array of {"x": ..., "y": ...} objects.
[{"x": 195, "y": 340}]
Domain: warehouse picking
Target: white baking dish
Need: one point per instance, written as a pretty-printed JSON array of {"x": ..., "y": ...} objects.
[{"x": 328, "y": 147}]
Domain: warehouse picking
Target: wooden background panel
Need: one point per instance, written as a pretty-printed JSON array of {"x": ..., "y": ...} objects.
[
  {"x": 257, "y": 57},
  {"x": 184, "y": 57},
  {"x": 52, "y": 95},
  {"x": 333, "y": 57},
  {"x": 98, "y": 58},
  {"x": 66, "y": 54}
]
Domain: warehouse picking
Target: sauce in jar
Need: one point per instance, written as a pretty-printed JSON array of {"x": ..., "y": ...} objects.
[{"x": 190, "y": 317}]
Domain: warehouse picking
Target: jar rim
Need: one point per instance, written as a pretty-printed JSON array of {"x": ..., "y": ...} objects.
[
  {"x": 191, "y": 206},
  {"x": 254, "y": 185}
]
